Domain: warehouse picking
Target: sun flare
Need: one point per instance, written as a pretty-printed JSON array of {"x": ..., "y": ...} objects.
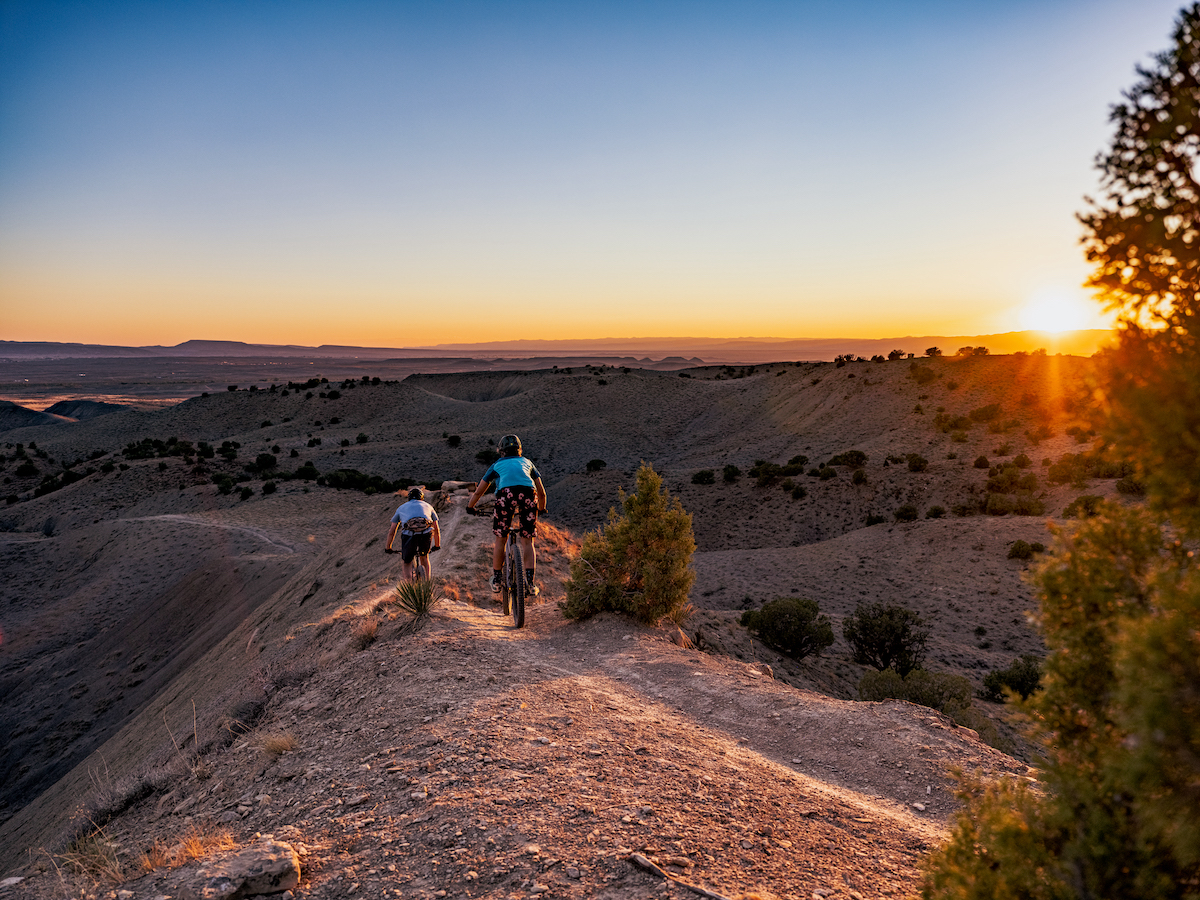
[{"x": 1056, "y": 310}]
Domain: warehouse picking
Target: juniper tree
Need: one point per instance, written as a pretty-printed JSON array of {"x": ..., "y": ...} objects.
[
  {"x": 639, "y": 563},
  {"x": 1118, "y": 718}
]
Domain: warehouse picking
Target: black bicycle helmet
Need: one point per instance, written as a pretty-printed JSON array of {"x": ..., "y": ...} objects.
[
  {"x": 416, "y": 494},
  {"x": 510, "y": 445}
]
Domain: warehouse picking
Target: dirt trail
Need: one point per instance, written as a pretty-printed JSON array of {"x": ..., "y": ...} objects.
[{"x": 473, "y": 759}]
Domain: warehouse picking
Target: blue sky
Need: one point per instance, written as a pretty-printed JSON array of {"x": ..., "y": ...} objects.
[{"x": 401, "y": 173}]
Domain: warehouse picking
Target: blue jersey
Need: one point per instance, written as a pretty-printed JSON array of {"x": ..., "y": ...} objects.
[{"x": 511, "y": 471}]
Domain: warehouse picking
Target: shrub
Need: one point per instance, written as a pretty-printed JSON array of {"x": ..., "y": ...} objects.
[
  {"x": 917, "y": 463},
  {"x": 946, "y": 693},
  {"x": 453, "y": 440},
  {"x": 826, "y": 473},
  {"x": 487, "y": 456},
  {"x": 1129, "y": 485},
  {"x": 595, "y": 465},
  {"x": 791, "y": 625},
  {"x": 935, "y": 512},
  {"x": 859, "y": 477},
  {"x": 1023, "y": 677},
  {"x": 268, "y": 487},
  {"x": 731, "y": 473},
  {"x": 798, "y": 492},
  {"x": 981, "y": 462},
  {"x": 906, "y": 513},
  {"x": 985, "y": 413},
  {"x": 362, "y": 438},
  {"x": 247, "y": 492},
  {"x": 1025, "y": 550},
  {"x": 886, "y": 636},
  {"x": 26, "y": 469},
  {"x": 1083, "y": 507},
  {"x": 639, "y": 563},
  {"x": 264, "y": 462},
  {"x": 704, "y": 476},
  {"x": 855, "y": 459},
  {"x": 1023, "y": 461},
  {"x": 307, "y": 471},
  {"x": 875, "y": 520}
]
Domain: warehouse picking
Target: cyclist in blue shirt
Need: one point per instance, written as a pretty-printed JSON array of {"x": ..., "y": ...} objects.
[{"x": 519, "y": 492}]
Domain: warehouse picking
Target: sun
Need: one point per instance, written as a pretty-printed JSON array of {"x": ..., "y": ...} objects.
[{"x": 1056, "y": 310}]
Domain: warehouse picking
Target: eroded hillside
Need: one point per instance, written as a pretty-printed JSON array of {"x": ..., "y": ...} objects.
[{"x": 122, "y": 580}]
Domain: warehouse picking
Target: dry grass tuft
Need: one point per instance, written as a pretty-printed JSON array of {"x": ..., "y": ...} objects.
[
  {"x": 198, "y": 842},
  {"x": 365, "y": 632},
  {"x": 96, "y": 856},
  {"x": 275, "y": 743}
]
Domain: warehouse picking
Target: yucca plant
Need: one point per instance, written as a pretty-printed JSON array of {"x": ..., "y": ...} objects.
[{"x": 417, "y": 597}]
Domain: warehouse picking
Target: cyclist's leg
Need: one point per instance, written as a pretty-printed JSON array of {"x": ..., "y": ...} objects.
[{"x": 528, "y": 518}]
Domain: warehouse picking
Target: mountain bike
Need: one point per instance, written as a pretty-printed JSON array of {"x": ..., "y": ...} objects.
[{"x": 512, "y": 580}]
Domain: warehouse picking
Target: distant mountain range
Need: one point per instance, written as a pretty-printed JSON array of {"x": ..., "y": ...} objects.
[{"x": 735, "y": 351}]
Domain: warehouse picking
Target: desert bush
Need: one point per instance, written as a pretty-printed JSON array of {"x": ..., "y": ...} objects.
[
  {"x": 487, "y": 456},
  {"x": 1022, "y": 461},
  {"x": 731, "y": 473},
  {"x": 417, "y": 598},
  {"x": 906, "y": 513},
  {"x": 859, "y": 477},
  {"x": 595, "y": 465},
  {"x": 875, "y": 520},
  {"x": 981, "y": 462},
  {"x": 1024, "y": 549},
  {"x": 1083, "y": 507},
  {"x": 791, "y": 625},
  {"x": 269, "y": 487},
  {"x": 922, "y": 374},
  {"x": 362, "y": 438},
  {"x": 916, "y": 462},
  {"x": 264, "y": 462},
  {"x": 247, "y": 492},
  {"x": 453, "y": 440},
  {"x": 855, "y": 459},
  {"x": 827, "y": 473},
  {"x": 1023, "y": 677},
  {"x": 704, "y": 476},
  {"x": 937, "y": 690},
  {"x": 307, "y": 471},
  {"x": 933, "y": 352},
  {"x": 798, "y": 492},
  {"x": 935, "y": 512},
  {"x": 1129, "y": 485},
  {"x": 639, "y": 563},
  {"x": 985, "y": 413},
  {"x": 886, "y": 636}
]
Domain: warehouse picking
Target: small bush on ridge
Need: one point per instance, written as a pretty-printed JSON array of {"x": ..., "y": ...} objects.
[
  {"x": 886, "y": 636},
  {"x": 791, "y": 625}
]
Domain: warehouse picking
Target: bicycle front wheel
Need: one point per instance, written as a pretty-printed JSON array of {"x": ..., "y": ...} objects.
[{"x": 516, "y": 582}]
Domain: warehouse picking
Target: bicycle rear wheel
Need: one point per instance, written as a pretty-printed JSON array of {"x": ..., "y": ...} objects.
[{"x": 516, "y": 582}]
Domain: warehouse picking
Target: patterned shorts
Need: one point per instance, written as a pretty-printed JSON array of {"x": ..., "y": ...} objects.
[{"x": 519, "y": 501}]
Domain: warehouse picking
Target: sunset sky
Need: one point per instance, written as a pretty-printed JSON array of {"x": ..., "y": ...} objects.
[{"x": 404, "y": 174}]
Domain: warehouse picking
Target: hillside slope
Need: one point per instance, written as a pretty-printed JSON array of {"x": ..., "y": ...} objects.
[{"x": 140, "y": 587}]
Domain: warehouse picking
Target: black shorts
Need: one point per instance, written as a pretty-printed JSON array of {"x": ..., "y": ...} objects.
[
  {"x": 519, "y": 501},
  {"x": 415, "y": 545}
]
